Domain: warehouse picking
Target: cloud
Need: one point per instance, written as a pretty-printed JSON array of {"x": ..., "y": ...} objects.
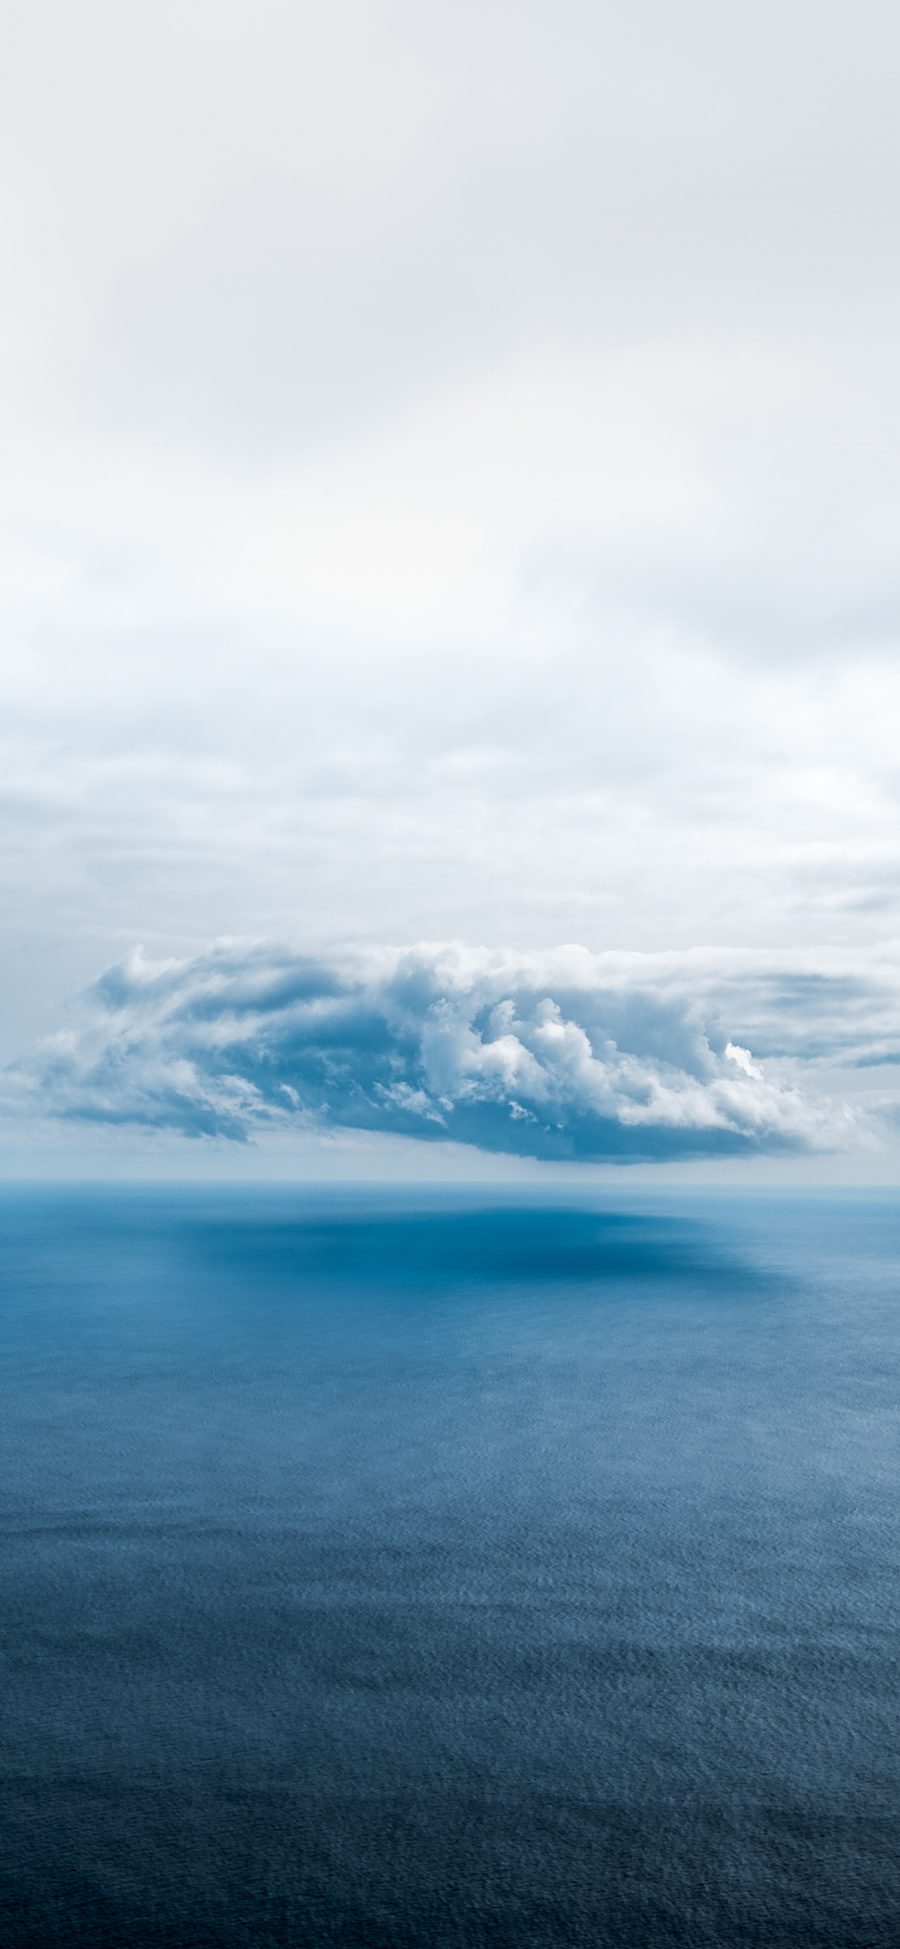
[
  {"x": 562, "y": 1054},
  {"x": 451, "y": 475}
]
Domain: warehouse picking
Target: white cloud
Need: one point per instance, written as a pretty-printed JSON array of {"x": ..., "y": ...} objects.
[
  {"x": 558, "y": 1055},
  {"x": 451, "y": 480}
]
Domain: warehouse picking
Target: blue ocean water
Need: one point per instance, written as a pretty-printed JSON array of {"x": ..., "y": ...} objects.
[{"x": 392, "y": 1569}]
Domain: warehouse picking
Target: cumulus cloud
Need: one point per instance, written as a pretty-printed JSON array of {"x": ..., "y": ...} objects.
[{"x": 563, "y": 1054}]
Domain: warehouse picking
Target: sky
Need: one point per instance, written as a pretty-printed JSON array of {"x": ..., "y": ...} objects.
[{"x": 449, "y": 680}]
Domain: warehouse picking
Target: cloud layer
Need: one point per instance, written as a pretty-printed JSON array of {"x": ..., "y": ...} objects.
[
  {"x": 556, "y": 1055},
  {"x": 450, "y": 477}
]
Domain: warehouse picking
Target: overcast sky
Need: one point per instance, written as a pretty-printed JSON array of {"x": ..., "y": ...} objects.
[{"x": 451, "y": 488}]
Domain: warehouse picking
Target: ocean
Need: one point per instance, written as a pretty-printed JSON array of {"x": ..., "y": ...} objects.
[{"x": 405, "y": 1568}]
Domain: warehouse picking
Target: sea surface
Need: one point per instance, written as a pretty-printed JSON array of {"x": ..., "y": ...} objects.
[{"x": 398, "y": 1569}]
